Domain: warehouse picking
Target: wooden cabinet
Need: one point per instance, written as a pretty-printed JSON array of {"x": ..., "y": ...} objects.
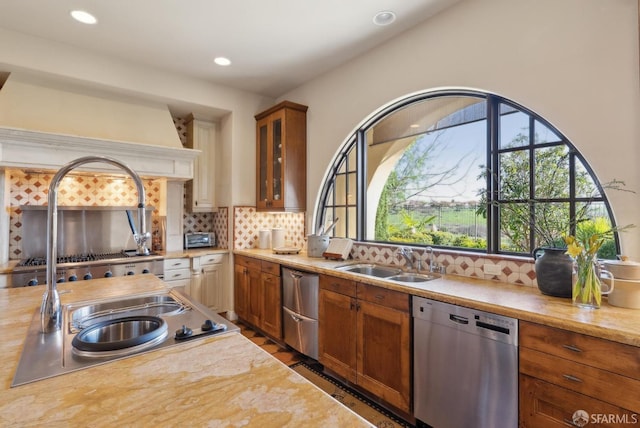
[
  {"x": 271, "y": 321},
  {"x": 281, "y": 154},
  {"x": 246, "y": 278},
  {"x": 258, "y": 294},
  {"x": 373, "y": 347},
  {"x": 562, "y": 372},
  {"x": 201, "y": 196}
]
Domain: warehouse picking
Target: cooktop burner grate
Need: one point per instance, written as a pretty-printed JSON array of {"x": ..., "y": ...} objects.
[{"x": 77, "y": 258}]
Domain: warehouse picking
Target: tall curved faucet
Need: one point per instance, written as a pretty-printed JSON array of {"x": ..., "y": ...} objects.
[{"x": 51, "y": 310}]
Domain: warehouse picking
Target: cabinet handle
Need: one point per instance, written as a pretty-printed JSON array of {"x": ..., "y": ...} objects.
[
  {"x": 572, "y": 378},
  {"x": 379, "y": 296},
  {"x": 572, "y": 348},
  {"x": 176, "y": 275}
]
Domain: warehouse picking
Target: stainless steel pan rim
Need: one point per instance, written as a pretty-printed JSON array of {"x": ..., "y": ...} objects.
[{"x": 120, "y": 336}]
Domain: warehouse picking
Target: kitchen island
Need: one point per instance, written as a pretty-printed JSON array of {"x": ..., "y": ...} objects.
[{"x": 224, "y": 381}]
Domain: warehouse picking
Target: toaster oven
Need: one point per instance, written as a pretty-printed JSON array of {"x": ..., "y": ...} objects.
[{"x": 199, "y": 240}]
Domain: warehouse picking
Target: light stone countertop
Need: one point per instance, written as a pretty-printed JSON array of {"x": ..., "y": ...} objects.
[
  {"x": 222, "y": 381},
  {"x": 522, "y": 302}
]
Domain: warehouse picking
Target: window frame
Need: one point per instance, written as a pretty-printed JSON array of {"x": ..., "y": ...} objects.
[{"x": 493, "y": 102}]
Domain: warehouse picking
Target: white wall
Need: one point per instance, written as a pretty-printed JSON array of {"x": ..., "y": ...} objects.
[
  {"x": 574, "y": 62},
  {"x": 233, "y": 108}
]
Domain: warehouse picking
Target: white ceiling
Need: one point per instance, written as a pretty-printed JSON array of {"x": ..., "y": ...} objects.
[{"x": 275, "y": 45}]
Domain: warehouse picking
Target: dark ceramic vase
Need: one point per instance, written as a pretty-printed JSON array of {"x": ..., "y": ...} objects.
[{"x": 553, "y": 271}]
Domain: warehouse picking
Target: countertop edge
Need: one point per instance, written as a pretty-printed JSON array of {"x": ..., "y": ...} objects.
[{"x": 525, "y": 303}]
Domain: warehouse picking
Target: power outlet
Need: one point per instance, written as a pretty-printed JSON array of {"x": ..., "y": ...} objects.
[{"x": 491, "y": 269}]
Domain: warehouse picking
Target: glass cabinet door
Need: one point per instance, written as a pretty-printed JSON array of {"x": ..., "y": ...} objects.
[
  {"x": 263, "y": 148},
  {"x": 277, "y": 159}
]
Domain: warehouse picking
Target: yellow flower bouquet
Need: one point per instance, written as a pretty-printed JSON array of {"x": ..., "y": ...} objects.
[{"x": 587, "y": 285}]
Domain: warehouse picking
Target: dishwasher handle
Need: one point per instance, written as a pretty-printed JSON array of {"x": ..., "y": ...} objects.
[{"x": 459, "y": 319}]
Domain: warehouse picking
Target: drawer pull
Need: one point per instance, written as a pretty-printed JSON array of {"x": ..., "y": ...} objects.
[
  {"x": 379, "y": 296},
  {"x": 177, "y": 275},
  {"x": 176, "y": 264},
  {"x": 572, "y": 378},
  {"x": 572, "y": 348}
]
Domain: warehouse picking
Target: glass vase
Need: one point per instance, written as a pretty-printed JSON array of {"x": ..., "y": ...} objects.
[{"x": 587, "y": 283}]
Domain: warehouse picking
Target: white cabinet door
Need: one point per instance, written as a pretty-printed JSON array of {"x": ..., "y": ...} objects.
[
  {"x": 201, "y": 190},
  {"x": 212, "y": 286}
]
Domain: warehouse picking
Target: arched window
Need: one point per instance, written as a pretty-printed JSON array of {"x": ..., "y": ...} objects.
[{"x": 462, "y": 169}]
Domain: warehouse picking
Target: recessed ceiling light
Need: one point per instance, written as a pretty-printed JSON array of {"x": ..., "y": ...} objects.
[
  {"x": 384, "y": 17},
  {"x": 84, "y": 17},
  {"x": 222, "y": 61}
]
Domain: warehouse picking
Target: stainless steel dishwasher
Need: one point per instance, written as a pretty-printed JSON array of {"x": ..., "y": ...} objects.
[
  {"x": 465, "y": 367},
  {"x": 300, "y": 311}
]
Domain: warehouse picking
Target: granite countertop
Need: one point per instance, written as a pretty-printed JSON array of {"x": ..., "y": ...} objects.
[
  {"x": 220, "y": 381},
  {"x": 517, "y": 301}
]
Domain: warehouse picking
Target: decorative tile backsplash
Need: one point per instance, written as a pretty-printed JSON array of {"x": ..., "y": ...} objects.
[
  {"x": 513, "y": 270},
  {"x": 247, "y": 222},
  {"x": 32, "y": 188}
]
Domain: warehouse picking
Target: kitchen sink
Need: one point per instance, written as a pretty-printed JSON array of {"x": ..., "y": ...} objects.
[
  {"x": 100, "y": 331},
  {"x": 371, "y": 269},
  {"x": 414, "y": 277},
  {"x": 388, "y": 272}
]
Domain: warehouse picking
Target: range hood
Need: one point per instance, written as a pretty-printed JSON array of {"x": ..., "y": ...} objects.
[{"x": 45, "y": 125}]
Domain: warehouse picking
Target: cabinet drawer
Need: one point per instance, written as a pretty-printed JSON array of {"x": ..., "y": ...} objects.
[
  {"x": 605, "y": 354},
  {"x": 382, "y": 296},
  {"x": 272, "y": 268},
  {"x": 601, "y": 384},
  {"x": 179, "y": 283},
  {"x": 545, "y": 405},
  {"x": 177, "y": 274},
  {"x": 338, "y": 285},
  {"x": 211, "y": 259},
  {"x": 176, "y": 263},
  {"x": 248, "y": 262}
]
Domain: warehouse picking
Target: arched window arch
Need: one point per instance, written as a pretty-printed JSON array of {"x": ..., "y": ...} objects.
[{"x": 462, "y": 169}]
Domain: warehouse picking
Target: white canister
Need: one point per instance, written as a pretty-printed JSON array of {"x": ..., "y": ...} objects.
[
  {"x": 264, "y": 239},
  {"x": 626, "y": 294},
  {"x": 277, "y": 237}
]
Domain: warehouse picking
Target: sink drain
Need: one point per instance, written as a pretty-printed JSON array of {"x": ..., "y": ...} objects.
[{"x": 120, "y": 336}]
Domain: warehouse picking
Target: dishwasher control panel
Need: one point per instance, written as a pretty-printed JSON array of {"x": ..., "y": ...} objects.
[{"x": 493, "y": 326}]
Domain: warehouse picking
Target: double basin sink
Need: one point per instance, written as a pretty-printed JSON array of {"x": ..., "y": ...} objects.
[
  {"x": 388, "y": 272},
  {"x": 100, "y": 331}
]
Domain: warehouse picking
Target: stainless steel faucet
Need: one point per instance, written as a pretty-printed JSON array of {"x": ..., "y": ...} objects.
[
  {"x": 432, "y": 265},
  {"x": 407, "y": 253},
  {"x": 51, "y": 310}
]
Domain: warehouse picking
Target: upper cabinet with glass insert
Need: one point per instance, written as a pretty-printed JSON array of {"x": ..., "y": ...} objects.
[{"x": 281, "y": 155}]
